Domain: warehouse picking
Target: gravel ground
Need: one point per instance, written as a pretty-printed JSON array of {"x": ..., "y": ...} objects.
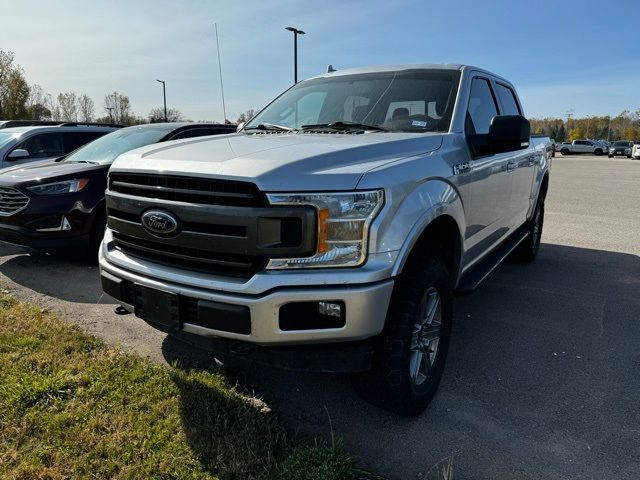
[{"x": 543, "y": 377}]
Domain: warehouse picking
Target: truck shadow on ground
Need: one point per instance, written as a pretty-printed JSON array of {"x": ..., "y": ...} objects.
[
  {"x": 70, "y": 276},
  {"x": 536, "y": 354}
]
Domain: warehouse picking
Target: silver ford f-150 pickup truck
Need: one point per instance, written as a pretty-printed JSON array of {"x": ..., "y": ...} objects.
[{"x": 332, "y": 231}]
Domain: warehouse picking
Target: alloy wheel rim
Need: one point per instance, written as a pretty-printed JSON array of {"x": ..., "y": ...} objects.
[{"x": 425, "y": 337}]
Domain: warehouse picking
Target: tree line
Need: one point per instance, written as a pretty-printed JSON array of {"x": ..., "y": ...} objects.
[
  {"x": 20, "y": 100},
  {"x": 625, "y": 126}
]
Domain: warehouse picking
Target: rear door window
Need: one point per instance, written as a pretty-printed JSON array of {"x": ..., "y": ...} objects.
[
  {"x": 507, "y": 100},
  {"x": 43, "y": 145}
]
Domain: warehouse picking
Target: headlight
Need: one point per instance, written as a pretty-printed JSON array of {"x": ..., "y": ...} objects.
[
  {"x": 627, "y": 151},
  {"x": 68, "y": 186},
  {"x": 343, "y": 227}
]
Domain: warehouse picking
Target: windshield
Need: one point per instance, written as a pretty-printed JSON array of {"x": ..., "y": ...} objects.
[
  {"x": 6, "y": 138},
  {"x": 105, "y": 149},
  {"x": 411, "y": 100},
  {"x": 620, "y": 144}
]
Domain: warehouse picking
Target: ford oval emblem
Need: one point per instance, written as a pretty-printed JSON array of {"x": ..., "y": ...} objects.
[{"x": 160, "y": 223}]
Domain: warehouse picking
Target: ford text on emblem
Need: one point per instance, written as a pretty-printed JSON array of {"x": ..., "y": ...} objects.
[{"x": 159, "y": 222}]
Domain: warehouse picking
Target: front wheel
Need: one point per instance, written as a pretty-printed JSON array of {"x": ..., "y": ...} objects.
[
  {"x": 564, "y": 151},
  {"x": 598, "y": 152},
  {"x": 410, "y": 358},
  {"x": 97, "y": 232}
]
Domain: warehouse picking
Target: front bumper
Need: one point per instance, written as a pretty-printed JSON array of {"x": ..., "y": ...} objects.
[
  {"x": 38, "y": 224},
  {"x": 28, "y": 237},
  {"x": 365, "y": 306}
]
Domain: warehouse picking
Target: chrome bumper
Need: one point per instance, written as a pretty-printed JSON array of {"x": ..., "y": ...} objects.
[{"x": 365, "y": 307}]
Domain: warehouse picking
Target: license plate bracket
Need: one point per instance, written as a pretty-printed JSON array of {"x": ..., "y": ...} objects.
[{"x": 157, "y": 306}]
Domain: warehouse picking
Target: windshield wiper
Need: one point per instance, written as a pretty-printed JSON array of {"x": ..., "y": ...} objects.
[
  {"x": 345, "y": 126},
  {"x": 272, "y": 127},
  {"x": 84, "y": 161}
]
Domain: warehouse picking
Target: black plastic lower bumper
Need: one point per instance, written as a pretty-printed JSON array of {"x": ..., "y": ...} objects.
[
  {"x": 343, "y": 357},
  {"x": 28, "y": 238}
]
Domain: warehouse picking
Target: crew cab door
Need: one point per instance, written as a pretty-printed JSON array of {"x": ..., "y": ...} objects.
[
  {"x": 486, "y": 179},
  {"x": 521, "y": 165}
]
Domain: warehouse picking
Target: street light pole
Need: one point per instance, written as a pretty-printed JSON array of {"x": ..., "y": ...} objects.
[
  {"x": 296, "y": 32},
  {"x": 164, "y": 94}
]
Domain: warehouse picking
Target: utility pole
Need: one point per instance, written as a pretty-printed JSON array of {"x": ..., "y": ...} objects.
[
  {"x": 224, "y": 109},
  {"x": 296, "y": 32},
  {"x": 569, "y": 114},
  {"x": 164, "y": 94}
]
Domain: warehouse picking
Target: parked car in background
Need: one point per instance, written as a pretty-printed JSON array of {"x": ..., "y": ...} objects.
[
  {"x": 621, "y": 147},
  {"x": 60, "y": 204},
  {"x": 27, "y": 123},
  {"x": 19, "y": 145},
  {"x": 635, "y": 151},
  {"x": 582, "y": 146},
  {"x": 331, "y": 232}
]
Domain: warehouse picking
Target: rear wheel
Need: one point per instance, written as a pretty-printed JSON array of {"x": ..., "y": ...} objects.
[
  {"x": 410, "y": 358},
  {"x": 598, "y": 152},
  {"x": 564, "y": 151},
  {"x": 527, "y": 251}
]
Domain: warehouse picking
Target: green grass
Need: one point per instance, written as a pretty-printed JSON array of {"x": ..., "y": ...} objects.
[{"x": 72, "y": 407}]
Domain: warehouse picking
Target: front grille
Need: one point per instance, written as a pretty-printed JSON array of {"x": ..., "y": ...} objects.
[
  {"x": 224, "y": 228},
  {"x": 187, "y": 189},
  {"x": 243, "y": 266},
  {"x": 12, "y": 201}
]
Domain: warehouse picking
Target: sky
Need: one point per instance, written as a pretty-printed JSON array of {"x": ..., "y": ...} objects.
[{"x": 579, "y": 55}]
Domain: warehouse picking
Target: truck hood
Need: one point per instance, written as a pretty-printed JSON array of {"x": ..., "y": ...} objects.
[{"x": 280, "y": 162}]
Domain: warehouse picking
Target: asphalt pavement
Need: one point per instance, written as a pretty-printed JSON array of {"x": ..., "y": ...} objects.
[{"x": 543, "y": 375}]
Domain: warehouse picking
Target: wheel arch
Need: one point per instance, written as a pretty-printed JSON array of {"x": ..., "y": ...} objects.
[{"x": 441, "y": 232}]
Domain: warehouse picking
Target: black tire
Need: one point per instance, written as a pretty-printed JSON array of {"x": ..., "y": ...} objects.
[
  {"x": 610, "y": 156},
  {"x": 390, "y": 384},
  {"x": 97, "y": 232},
  {"x": 527, "y": 251},
  {"x": 564, "y": 151},
  {"x": 628, "y": 156},
  {"x": 598, "y": 152}
]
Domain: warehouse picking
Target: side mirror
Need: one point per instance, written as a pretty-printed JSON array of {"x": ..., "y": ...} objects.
[
  {"x": 240, "y": 126},
  {"x": 508, "y": 133},
  {"x": 18, "y": 153}
]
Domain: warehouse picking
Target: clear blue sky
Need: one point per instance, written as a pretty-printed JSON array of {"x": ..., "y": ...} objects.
[{"x": 572, "y": 54}]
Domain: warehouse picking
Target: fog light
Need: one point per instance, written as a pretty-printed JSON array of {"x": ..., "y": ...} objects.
[
  {"x": 330, "y": 309},
  {"x": 65, "y": 224},
  {"x": 312, "y": 315}
]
